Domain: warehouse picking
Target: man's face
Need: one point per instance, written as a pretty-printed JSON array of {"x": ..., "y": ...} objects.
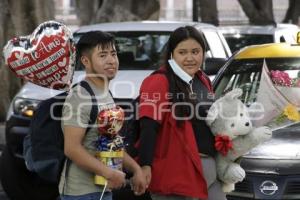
[{"x": 104, "y": 61}]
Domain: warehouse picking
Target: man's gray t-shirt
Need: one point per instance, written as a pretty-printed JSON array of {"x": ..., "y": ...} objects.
[{"x": 76, "y": 112}]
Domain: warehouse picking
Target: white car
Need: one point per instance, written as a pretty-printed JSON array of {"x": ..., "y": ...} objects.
[
  {"x": 238, "y": 37},
  {"x": 139, "y": 45},
  {"x": 272, "y": 168},
  {"x": 134, "y": 67}
]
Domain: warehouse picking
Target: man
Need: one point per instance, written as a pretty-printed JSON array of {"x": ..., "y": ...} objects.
[{"x": 97, "y": 52}]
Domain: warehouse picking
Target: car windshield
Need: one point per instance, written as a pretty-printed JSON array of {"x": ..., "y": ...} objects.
[
  {"x": 246, "y": 74},
  {"x": 137, "y": 50},
  {"x": 238, "y": 41}
]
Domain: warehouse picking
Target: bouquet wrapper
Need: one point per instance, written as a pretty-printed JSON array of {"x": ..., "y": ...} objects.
[
  {"x": 292, "y": 94},
  {"x": 274, "y": 100},
  {"x": 113, "y": 159}
]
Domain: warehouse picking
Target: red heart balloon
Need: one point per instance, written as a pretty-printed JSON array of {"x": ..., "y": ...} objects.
[
  {"x": 46, "y": 57},
  {"x": 110, "y": 121}
]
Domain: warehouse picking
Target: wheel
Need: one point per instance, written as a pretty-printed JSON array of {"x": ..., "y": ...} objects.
[{"x": 19, "y": 183}]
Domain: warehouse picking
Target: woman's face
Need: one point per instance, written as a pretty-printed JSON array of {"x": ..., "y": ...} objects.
[{"x": 188, "y": 54}]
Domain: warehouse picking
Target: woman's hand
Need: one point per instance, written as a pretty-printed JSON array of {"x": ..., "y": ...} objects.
[
  {"x": 147, "y": 173},
  {"x": 139, "y": 184}
]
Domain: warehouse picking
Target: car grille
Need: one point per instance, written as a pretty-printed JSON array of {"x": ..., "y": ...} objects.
[
  {"x": 246, "y": 186},
  {"x": 289, "y": 187},
  {"x": 293, "y": 187}
]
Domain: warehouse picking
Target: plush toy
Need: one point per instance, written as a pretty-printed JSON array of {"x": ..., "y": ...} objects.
[{"x": 229, "y": 121}]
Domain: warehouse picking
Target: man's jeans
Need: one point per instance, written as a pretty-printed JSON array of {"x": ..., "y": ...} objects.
[{"x": 92, "y": 196}]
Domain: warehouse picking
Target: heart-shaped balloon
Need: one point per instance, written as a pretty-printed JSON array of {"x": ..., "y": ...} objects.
[
  {"x": 110, "y": 121},
  {"x": 46, "y": 57}
]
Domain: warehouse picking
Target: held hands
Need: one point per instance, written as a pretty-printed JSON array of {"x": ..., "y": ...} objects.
[
  {"x": 138, "y": 182},
  {"x": 147, "y": 173},
  {"x": 115, "y": 179}
]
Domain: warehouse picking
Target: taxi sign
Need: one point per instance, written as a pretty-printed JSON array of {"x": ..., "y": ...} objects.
[{"x": 272, "y": 50}]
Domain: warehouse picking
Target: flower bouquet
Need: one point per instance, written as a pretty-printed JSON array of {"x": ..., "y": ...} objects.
[
  {"x": 110, "y": 146},
  {"x": 279, "y": 97}
]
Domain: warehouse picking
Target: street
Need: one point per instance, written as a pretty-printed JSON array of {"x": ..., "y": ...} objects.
[{"x": 2, "y": 143}]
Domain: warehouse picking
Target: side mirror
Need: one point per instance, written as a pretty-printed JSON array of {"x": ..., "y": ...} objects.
[{"x": 212, "y": 65}]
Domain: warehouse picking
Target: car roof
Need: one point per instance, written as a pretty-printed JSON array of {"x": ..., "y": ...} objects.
[
  {"x": 273, "y": 50},
  {"x": 142, "y": 26},
  {"x": 253, "y": 29}
]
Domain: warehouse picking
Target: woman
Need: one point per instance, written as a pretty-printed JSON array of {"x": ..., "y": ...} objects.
[{"x": 177, "y": 148}]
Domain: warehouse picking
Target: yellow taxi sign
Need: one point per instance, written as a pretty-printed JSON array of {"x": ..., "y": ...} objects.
[{"x": 274, "y": 50}]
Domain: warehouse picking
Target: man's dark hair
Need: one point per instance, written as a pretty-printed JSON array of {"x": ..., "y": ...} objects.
[{"x": 92, "y": 39}]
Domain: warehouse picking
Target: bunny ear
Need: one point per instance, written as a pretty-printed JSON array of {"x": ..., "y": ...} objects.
[
  {"x": 211, "y": 115},
  {"x": 234, "y": 94}
]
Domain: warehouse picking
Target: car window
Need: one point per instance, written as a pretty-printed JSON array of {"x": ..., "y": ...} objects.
[
  {"x": 290, "y": 36},
  {"x": 238, "y": 41},
  {"x": 138, "y": 50},
  {"x": 216, "y": 48},
  {"x": 246, "y": 73}
]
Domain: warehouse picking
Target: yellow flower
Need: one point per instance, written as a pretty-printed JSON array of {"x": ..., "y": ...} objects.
[{"x": 291, "y": 113}]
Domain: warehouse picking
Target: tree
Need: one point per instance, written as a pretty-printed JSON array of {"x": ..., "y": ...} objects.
[
  {"x": 114, "y": 10},
  {"x": 293, "y": 13},
  {"x": 5, "y": 75},
  {"x": 18, "y": 18},
  {"x": 209, "y": 11},
  {"x": 259, "y": 12}
]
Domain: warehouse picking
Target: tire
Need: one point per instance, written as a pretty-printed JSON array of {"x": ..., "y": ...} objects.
[{"x": 19, "y": 183}]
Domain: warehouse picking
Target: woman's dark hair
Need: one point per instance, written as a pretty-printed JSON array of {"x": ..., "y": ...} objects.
[
  {"x": 181, "y": 34},
  {"x": 178, "y": 86}
]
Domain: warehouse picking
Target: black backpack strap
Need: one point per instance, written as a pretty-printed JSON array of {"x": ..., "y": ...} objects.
[
  {"x": 94, "y": 110},
  {"x": 93, "y": 116}
]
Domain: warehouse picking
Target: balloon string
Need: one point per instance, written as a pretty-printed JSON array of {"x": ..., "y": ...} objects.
[{"x": 105, "y": 185}]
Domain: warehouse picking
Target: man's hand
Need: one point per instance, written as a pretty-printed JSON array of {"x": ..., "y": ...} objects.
[
  {"x": 115, "y": 179},
  {"x": 138, "y": 181}
]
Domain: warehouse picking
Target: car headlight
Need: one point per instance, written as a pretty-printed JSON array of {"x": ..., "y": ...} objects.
[{"x": 25, "y": 107}]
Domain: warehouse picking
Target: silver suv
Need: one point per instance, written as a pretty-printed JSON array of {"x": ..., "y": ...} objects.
[
  {"x": 238, "y": 37},
  {"x": 140, "y": 45}
]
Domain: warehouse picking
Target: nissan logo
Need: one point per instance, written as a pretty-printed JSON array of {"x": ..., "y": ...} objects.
[{"x": 268, "y": 187}]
